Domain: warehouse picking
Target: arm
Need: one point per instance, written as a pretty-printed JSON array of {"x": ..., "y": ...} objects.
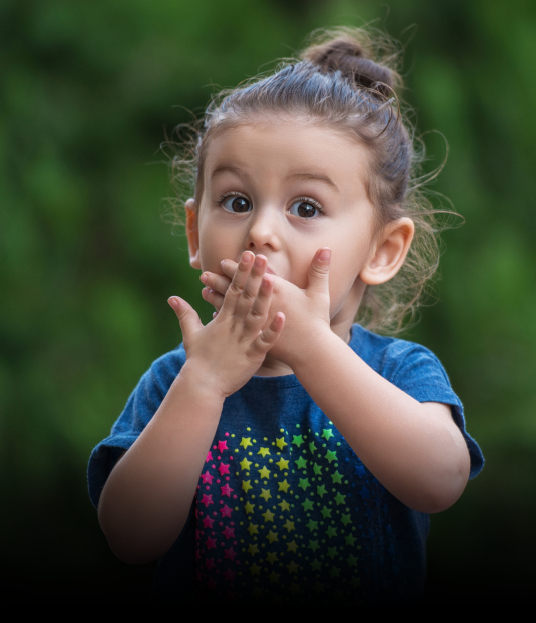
[
  {"x": 414, "y": 449},
  {"x": 146, "y": 499}
]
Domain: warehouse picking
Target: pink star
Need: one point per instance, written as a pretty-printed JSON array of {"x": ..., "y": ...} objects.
[
  {"x": 222, "y": 445},
  {"x": 207, "y": 499},
  {"x": 197, "y": 535},
  {"x": 229, "y": 532},
  {"x": 209, "y": 563},
  {"x": 207, "y": 478},
  {"x": 208, "y": 522},
  {"x": 229, "y": 575},
  {"x": 211, "y": 584},
  {"x": 230, "y": 553},
  {"x": 211, "y": 543},
  {"x": 226, "y": 511},
  {"x": 209, "y": 456},
  {"x": 223, "y": 469},
  {"x": 226, "y": 491}
]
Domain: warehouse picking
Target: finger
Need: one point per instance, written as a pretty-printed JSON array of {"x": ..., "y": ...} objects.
[
  {"x": 220, "y": 283},
  {"x": 256, "y": 318},
  {"x": 251, "y": 287},
  {"x": 319, "y": 271},
  {"x": 214, "y": 298},
  {"x": 229, "y": 267},
  {"x": 188, "y": 318},
  {"x": 271, "y": 334},
  {"x": 236, "y": 288}
]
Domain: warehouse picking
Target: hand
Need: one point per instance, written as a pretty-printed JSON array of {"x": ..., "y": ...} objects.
[
  {"x": 228, "y": 351},
  {"x": 302, "y": 308}
]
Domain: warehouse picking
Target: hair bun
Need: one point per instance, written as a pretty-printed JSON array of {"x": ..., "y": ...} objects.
[{"x": 347, "y": 51}]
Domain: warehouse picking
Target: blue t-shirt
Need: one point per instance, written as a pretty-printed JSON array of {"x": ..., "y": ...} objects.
[{"x": 284, "y": 507}]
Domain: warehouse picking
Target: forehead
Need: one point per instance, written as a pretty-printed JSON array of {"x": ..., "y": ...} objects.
[{"x": 287, "y": 147}]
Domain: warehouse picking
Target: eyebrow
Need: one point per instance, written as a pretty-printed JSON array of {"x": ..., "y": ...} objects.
[
  {"x": 228, "y": 169},
  {"x": 300, "y": 176}
]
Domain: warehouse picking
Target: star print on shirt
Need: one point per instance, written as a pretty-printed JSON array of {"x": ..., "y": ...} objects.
[
  {"x": 244, "y": 464},
  {"x": 282, "y": 464},
  {"x": 207, "y": 478},
  {"x": 281, "y": 443},
  {"x": 222, "y": 445},
  {"x": 246, "y": 441},
  {"x": 246, "y": 485},
  {"x": 263, "y": 452},
  {"x": 264, "y": 473}
]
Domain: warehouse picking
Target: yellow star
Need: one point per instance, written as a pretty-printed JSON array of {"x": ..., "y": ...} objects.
[
  {"x": 253, "y": 549},
  {"x": 246, "y": 485},
  {"x": 255, "y": 569},
  {"x": 283, "y": 464},
  {"x": 253, "y": 529},
  {"x": 292, "y": 567},
  {"x": 285, "y": 506},
  {"x": 292, "y": 546},
  {"x": 244, "y": 464},
  {"x": 274, "y": 577},
  {"x": 280, "y": 443},
  {"x": 264, "y": 451},
  {"x": 283, "y": 486},
  {"x": 246, "y": 441},
  {"x": 266, "y": 494},
  {"x": 271, "y": 557},
  {"x": 249, "y": 507},
  {"x": 264, "y": 472},
  {"x": 268, "y": 516},
  {"x": 289, "y": 525},
  {"x": 272, "y": 536}
]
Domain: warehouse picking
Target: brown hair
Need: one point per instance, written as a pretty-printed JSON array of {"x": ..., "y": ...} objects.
[{"x": 346, "y": 80}]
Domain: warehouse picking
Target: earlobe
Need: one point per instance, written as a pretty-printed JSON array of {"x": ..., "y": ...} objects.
[
  {"x": 389, "y": 253},
  {"x": 192, "y": 234}
]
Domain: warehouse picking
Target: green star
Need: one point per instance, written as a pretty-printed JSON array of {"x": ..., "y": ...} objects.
[
  {"x": 331, "y": 456},
  {"x": 315, "y": 565},
  {"x": 292, "y": 546},
  {"x": 253, "y": 529},
  {"x": 337, "y": 478},
  {"x": 307, "y": 505},
  {"x": 271, "y": 557},
  {"x": 264, "y": 473},
  {"x": 334, "y": 572},
  {"x": 304, "y": 483},
  {"x": 313, "y": 545},
  {"x": 282, "y": 463},
  {"x": 249, "y": 507},
  {"x": 244, "y": 464},
  {"x": 326, "y": 512},
  {"x": 289, "y": 525},
  {"x": 327, "y": 433},
  {"x": 297, "y": 440},
  {"x": 346, "y": 519},
  {"x": 264, "y": 452},
  {"x": 312, "y": 525},
  {"x": 272, "y": 536},
  {"x": 339, "y": 498},
  {"x": 253, "y": 549},
  {"x": 350, "y": 540},
  {"x": 285, "y": 506},
  {"x": 265, "y": 493},
  {"x": 292, "y": 567},
  {"x": 312, "y": 447},
  {"x": 321, "y": 490},
  {"x": 246, "y": 441},
  {"x": 283, "y": 486},
  {"x": 317, "y": 468},
  {"x": 301, "y": 463},
  {"x": 246, "y": 485},
  {"x": 331, "y": 531},
  {"x": 352, "y": 561},
  {"x": 332, "y": 552},
  {"x": 280, "y": 443},
  {"x": 268, "y": 516}
]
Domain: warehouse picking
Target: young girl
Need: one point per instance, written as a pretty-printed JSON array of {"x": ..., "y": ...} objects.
[{"x": 282, "y": 451}]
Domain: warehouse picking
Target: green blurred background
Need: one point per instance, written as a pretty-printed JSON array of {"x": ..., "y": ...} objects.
[{"x": 88, "y": 91}]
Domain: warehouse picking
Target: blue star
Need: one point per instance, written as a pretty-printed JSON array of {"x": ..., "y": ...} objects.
[{"x": 364, "y": 493}]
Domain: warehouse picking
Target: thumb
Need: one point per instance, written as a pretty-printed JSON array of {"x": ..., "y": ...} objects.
[
  {"x": 319, "y": 271},
  {"x": 188, "y": 318}
]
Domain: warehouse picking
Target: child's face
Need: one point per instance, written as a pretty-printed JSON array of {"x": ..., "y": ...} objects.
[{"x": 284, "y": 189}]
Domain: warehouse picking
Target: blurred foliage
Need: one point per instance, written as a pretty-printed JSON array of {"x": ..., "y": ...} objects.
[{"x": 88, "y": 92}]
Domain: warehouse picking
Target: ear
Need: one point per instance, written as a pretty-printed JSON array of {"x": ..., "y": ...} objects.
[
  {"x": 192, "y": 234},
  {"x": 389, "y": 252}
]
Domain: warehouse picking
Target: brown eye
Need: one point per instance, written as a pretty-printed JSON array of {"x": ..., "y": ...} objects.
[
  {"x": 304, "y": 209},
  {"x": 236, "y": 204}
]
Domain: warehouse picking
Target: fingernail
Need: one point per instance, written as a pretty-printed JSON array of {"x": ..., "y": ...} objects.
[
  {"x": 248, "y": 257},
  {"x": 203, "y": 278},
  {"x": 325, "y": 255},
  {"x": 259, "y": 261},
  {"x": 173, "y": 302},
  {"x": 222, "y": 263}
]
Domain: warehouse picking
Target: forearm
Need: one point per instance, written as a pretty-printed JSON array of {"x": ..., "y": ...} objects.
[
  {"x": 147, "y": 497},
  {"x": 415, "y": 450}
]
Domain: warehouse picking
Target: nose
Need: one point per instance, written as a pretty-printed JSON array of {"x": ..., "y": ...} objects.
[{"x": 264, "y": 233}]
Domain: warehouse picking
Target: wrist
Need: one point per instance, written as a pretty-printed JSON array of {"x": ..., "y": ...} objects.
[
  {"x": 311, "y": 352},
  {"x": 201, "y": 383}
]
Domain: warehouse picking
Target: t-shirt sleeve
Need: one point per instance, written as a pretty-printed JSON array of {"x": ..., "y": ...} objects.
[
  {"x": 418, "y": 372},
  {"x": 140, "y": 408}
]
